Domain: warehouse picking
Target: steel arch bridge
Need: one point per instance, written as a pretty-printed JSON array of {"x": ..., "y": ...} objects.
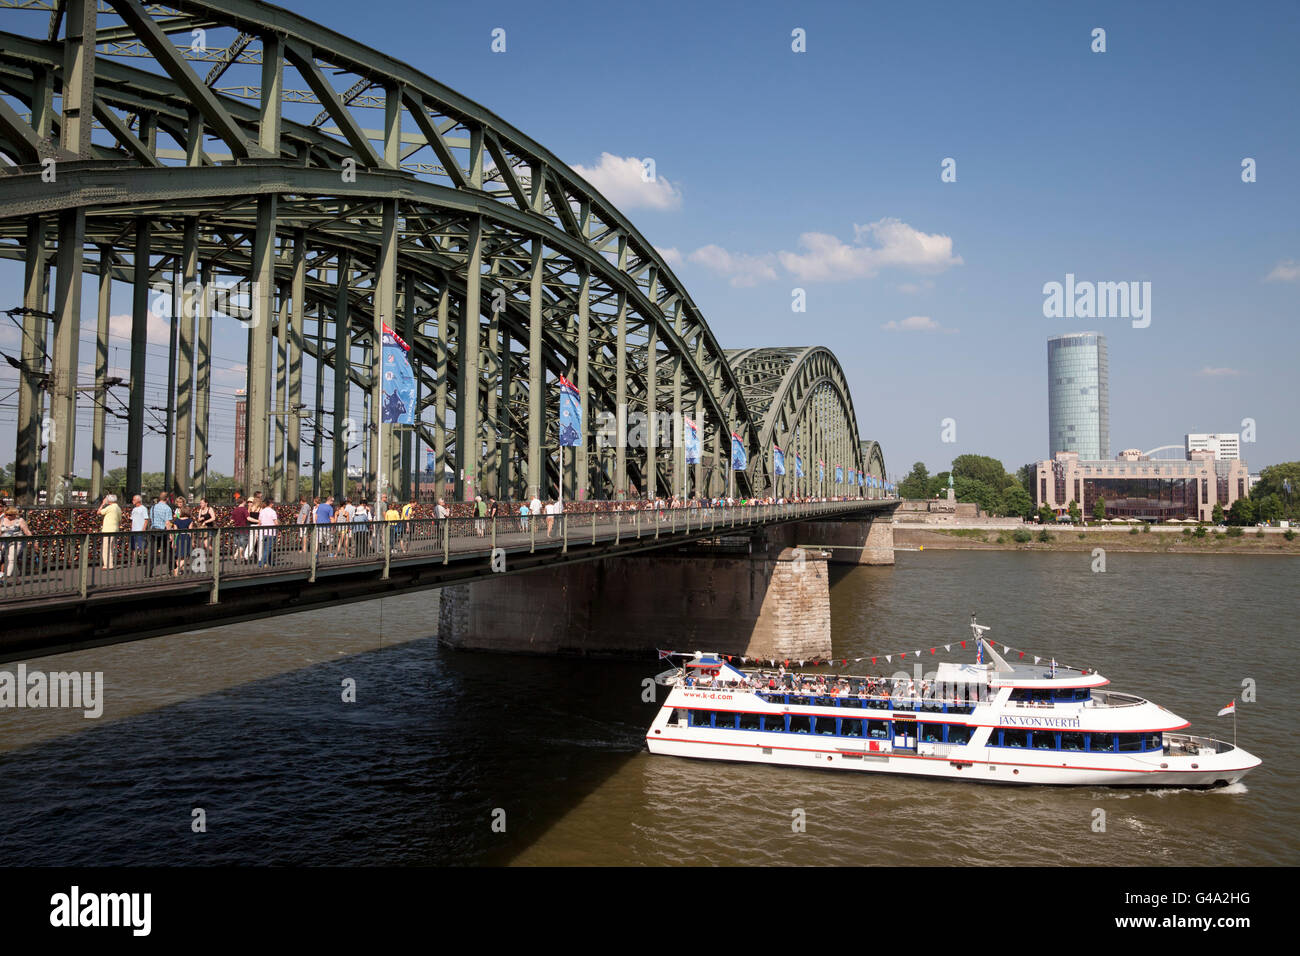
[{"x": 188, "y": 148}]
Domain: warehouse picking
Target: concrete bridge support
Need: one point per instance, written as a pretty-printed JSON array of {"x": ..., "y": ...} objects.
[
  {"x": 771, "y": 602},
  {"x": 853, "y": 540}
]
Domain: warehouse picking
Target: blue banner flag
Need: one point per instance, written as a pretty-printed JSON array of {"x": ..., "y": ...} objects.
[
  {"x": 570, "y": 414},
  {"x": 739, "y": 460},
  {"x": 428, "y": 459},
  {"x": 778, "y": 460},
  {"x": 839, "y": 474},
  {"x": 821, "y": 470},
  {"x": 692, "y": 442},
  {"x": 398, "y": 381},
  {"x": 798, "y": 466}
]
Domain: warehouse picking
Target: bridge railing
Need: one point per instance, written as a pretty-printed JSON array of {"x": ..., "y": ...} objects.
[{"x": 62, "y": 565}]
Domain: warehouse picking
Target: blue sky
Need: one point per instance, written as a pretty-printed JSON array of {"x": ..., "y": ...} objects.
[{"x": 821, "y": 170}]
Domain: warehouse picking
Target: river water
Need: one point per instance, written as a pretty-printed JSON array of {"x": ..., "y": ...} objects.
[{"x": 450, "y": 757}]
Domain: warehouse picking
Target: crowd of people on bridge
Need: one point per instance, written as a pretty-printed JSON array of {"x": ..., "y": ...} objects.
[{"x": 170, "y": 533}]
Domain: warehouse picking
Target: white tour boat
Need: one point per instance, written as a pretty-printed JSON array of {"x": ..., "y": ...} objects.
[{"x": 990, "y": 721}]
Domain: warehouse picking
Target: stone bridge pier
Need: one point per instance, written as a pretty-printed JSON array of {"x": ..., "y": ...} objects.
[{"x": 764, "y": 595}]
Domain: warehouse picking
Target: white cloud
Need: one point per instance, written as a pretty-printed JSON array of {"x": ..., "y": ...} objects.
[
  {"x": 672, "y": 255},
  {"x": 626, "y": 182},
  {"x": 916, "y": 323},
  {"x": 1288, "y": 270},
  {"x": 1219, "y": 372},
  {"x": 158, "y": 328},
  {"x": 740, "y": 268},
  {"x": 235, "y": 375},
  {"x": 897, "y": 244}
]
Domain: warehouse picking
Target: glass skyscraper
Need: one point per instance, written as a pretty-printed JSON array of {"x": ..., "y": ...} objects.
[{"x": 1078, "y": 395}]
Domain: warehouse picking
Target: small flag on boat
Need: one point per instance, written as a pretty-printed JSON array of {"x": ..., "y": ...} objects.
[
  {"x": 665, "y": 654},
  {"x": 1230, "y": 709}
]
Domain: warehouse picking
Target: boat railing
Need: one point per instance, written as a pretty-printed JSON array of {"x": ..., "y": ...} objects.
[
  {"x": 1109, "y": 698},
  {"x": 923, "y": 705},
  {"x": 1190, "y": 745}
]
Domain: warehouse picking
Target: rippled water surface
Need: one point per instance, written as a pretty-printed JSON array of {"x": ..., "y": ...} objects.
[{"x": 443, "y": 749}]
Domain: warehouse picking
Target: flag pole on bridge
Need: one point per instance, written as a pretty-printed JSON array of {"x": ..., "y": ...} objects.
[{"x": 570, "y": 428}]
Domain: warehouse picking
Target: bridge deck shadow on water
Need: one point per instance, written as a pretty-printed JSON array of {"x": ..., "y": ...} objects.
[{"x": 288, "y": 774}]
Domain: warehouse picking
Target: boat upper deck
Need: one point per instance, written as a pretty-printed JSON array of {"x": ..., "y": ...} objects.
[{"x": 954, "y": 689}]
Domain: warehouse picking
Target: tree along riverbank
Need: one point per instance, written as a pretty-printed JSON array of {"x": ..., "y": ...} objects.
[{"x": 1085, "y": 539}]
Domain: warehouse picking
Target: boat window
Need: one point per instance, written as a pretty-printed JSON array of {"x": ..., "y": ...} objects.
[
  {"x": 701, "y": 718},
  {"x": 850, "y": 702},
  {"x": 931, "y": 733},
  {"x": 723, "y": 718},
  {"x": 1154, "y": 742},
  {"x": 879, "y": 729},
  {"x": 1044, "y": 740},
  {"x": 827, "y": 701},
  {"x": 1130, "y": 743},
  {"x": 995, "y": 737},
  {"x": 1072, "y": 742},
  {"x": 1101, "y": 743},
  {"x": 851, "y": 727},
  {"x": 958, "y": 734},
  {"x": 825, "y": 726},
  {"x": 800, "y": 724},
  {"x": 774, "y": 722},
  {"x": 1015, "y": 738},
  {"x": 749, "y": 721}
]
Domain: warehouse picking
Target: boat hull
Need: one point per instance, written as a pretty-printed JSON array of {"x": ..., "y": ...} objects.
[{"x": 959, "y": 764}]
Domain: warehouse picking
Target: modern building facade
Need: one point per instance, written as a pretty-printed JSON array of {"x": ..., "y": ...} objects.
[
  {"x": 1078, "y": 395},
  {"x": 1225, "y": 445},
  {"x": 1135, "y": 486}
]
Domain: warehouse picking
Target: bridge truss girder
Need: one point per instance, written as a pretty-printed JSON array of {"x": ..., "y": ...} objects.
[{"x": 398, "y": 202}]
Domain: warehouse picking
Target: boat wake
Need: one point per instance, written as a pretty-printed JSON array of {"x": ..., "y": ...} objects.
[{"x": 1232, "y": 789}]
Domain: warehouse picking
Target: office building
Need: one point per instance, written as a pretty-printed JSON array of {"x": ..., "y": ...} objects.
[
  {"x": 1078, "y": 395},
  {"x": 1225, "y": 445},
  {"x": 1135, "y": 486}
]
